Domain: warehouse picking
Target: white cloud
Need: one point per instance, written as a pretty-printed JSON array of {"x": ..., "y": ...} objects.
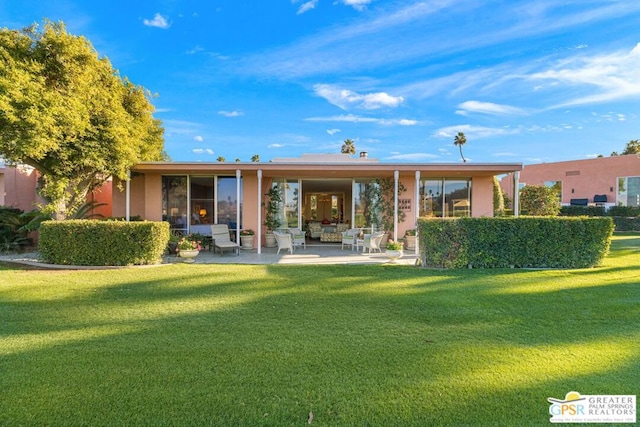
[
  {"x": 357, "y": 4},
  {"x": 610, "y": 77},
  {"x": 345, "y": 98},
  {"x": 198, "y": 138},
  {"x": 195, "y": 50},
  {"x": 487, "y": 108},
  {"x": 208, "y": 151},
  {"x": 306, "y": 6},
  {"x": 158, "y": 21},
  {"x": 473, "y": 131},
  {"x": 275, "y": 146},
  {"x": 352, "y": 118},
  {"x": 231, "y": 113},
  {"x": 332, "y": 131},
  {"x": 412, "y": 156}
]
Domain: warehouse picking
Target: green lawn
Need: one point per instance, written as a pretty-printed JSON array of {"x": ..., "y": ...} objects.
[{"x": 356, "y": 345}]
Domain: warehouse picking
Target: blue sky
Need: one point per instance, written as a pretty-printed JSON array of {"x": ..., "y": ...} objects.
[{"x": 526, "y": 81}]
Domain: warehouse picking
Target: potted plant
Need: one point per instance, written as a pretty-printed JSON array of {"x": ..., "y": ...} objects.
[
  {"x": 394, "y": 250},
  {"x": 246, "y": 238},
  {"x": 271, "y": 219},
  {"x": 189, "y": 247},
  {"x": 172, "y": 244},
  {"x": 410, "y": 239}
]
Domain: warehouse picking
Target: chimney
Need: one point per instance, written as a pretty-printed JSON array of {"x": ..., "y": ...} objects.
[{"x": 363, "y": 154}]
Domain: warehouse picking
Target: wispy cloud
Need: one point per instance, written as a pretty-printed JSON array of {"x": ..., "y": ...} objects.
[
  {"x": 610, "y": 77},
  {"x": 158, "y": 21},
  {"x": 231, "y": 113},
  {"x": 198, "y": 138},
  {"x": 207, "y": 151},
  {"x": 332, "y": 131},
  {"x": 473, "y": 131},
  {"x": 306, "y": 6},
  {"x": 487, "y": 108},
  {"x": 345, "y": 98},
  {"x": 352, "y": 118},
  {"x": 412, "y": 156},
  {"x": 357, "y": 4},
  {"x": 277, "y": 145}
]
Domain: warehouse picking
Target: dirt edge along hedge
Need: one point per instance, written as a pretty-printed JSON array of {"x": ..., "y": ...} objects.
[
  {"x": 524, "y": 242},
  {"x": 102, "y": 243}
]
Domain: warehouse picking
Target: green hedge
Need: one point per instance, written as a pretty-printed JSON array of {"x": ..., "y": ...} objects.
[
  {"x": 94, "y": 242},
  {"x": 533, "y": 242}
]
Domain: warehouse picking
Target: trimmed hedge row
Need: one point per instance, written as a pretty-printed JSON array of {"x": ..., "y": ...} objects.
[
  {"x": 532, "y": 242},
  {"x": 95, "y": 242},
  {"x": 625, "y": 218}
]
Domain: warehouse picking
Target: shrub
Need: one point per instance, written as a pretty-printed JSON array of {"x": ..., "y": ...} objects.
[
  {"x": 539, "y": 200},
  {"x": 582, "y": 211},
  {"x": 94, "y": 242},
  {"x": 536, "y": 242}
]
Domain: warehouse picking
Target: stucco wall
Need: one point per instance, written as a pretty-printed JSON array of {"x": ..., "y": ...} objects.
[
  {"x": 19, "y": 188},
  {"x": 482, "y": 196},
  {"x": 581, "y": 179}
]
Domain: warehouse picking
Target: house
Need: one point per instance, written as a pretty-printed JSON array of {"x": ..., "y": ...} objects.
[
  {"x": 19, "y": 184},
  {"x": 604, "y": 181},
  {"x": 316, "y": 188}
]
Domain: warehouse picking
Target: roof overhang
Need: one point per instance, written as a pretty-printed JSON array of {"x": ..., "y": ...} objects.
[{"x": 329, "y": 170}]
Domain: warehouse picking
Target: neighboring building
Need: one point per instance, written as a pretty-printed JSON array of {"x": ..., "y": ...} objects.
[
  {"x": 192, "y": 196},
  {"x": 19, "y": 184},
  {"x": 616, "y": 177}
]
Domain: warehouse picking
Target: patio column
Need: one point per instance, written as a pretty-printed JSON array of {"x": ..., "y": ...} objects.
[
  {"x": 127, "y": 202},
  {"x": 416, "y": 204},
  {"x": 238, "y": 177},
  {"x": 396, "y": 175},
  {"x": 259, "y": 228},
  {"x": 516, "y": 193}
]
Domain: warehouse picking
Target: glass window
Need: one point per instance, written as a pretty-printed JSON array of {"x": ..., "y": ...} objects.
[
  {"x": 228, "y": 202},
  {"x": 174, "y": 202},
  {"x": 445, "y": 197},
  {"x": 290, "y": 200},
  {"x": 557, "y": 186},
  {"x": 202, "y": 199},
  {"x": 629, "y": 191},
  {"x": 365, "y": 191}
]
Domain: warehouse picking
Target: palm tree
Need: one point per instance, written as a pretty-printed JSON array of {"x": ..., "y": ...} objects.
[
  {"x": 255, "y": 158},
  {"x": 221, "y": 159},
  {"x": 460, "y": 140},
  {"x": 349, "y": 147}
]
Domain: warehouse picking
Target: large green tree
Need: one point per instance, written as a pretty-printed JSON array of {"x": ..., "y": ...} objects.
[
  {"x": 65, "y": 111},
  {"x": 633, "y": 147}
]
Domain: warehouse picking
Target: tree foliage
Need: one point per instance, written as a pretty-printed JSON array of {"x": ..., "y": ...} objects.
[
  {"x": 349, "y": 147},
  {"x": 498, "y": 198},
  {"x": 65, "y": 111},
  {"x": 459, "y": 140},
  {"x": 633, "y": 147},
  {"x": 539, "y": 200}
]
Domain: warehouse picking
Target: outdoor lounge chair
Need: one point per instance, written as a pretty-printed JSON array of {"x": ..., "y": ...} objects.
[
  {"x": 220, "y": 239},
  {"x": 349, "y": 237},
  {"x": 372, "y": 241},
  {"x": 284, "y": 240},
  {"x": 299, "y": 237}
]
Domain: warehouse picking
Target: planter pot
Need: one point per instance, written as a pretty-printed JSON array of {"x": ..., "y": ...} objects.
[
  {"x": 410, "y": 242},
  {"x": 188, "y": 255},
  {"x": 247, "y": 242},
  {"x": 393, "y": 255},
  {"x": 270, "y": 240}
]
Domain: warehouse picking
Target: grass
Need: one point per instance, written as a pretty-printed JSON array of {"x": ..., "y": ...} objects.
[{"x": 356, "y": 345}]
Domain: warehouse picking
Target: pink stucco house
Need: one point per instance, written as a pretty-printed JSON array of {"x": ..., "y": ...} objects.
[
  {"x": 586, "y": 181},
  {"x": 328, "y": 188}
]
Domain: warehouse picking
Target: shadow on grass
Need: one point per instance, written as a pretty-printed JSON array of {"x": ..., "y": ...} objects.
[{"x": 357, "y": 345}]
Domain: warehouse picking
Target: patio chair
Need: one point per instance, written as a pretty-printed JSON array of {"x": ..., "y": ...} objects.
[
  {"x": 349, "y": 237},
  {"x": 299, "y": 237},
  {"x": 372, "y": 241},
  {"x": 220, "y": 239},
  {"x": 284, "y": 240}
]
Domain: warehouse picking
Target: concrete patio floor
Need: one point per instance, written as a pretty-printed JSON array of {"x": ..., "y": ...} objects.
[{"x": 312, "y": 254}]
